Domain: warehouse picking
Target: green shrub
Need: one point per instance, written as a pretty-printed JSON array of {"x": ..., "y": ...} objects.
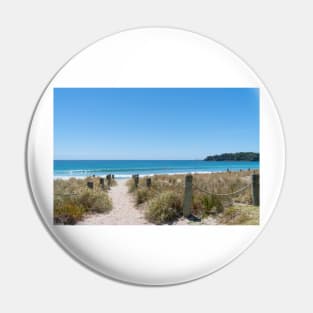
[
  {"x": 212, "y": 203},
  {"x": 68, "y": 213},
  {"x": 204, "y": 204},
  {"x": 164, "y": 208}
]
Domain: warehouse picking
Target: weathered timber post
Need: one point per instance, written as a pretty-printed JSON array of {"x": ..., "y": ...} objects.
[
  {"x": 187, "y": 196},
  {"x": 90, "y": 184},
  {"x": 109, "y": 178},
  {"x": 136, "y": 180},
  {"x": 101, "y": 181},
  {"x": 113, "y": 176},
  {"x": 255, "y": 189},
  {"x": 148, "y": 182}
]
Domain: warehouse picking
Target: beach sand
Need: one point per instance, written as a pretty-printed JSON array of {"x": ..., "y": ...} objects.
[{"x": 124, "y": 211}]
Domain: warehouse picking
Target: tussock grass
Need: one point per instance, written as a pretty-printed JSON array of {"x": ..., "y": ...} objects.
[
  {"x": 143, "y": 195},
  {"x": 241, "y": 215},
  {"x": 67, "y": 212},
  {"x": 220, "y": 183},
  {"x": 165, "y": 208},
  {"x": 160, "y": 208},
  {"x": 203, "y": 205},
  {"x": 131, "y": 185},
  {"x": 72, "y": 199}
]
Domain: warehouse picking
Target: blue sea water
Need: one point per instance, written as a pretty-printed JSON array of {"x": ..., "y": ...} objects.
[{"x": 124, "y": 168}]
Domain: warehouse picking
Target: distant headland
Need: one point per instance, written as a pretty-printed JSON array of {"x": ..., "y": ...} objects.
[{"x": 238, "y": 156}]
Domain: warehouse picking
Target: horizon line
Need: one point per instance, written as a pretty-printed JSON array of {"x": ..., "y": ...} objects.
[
  {"x": 193, "y": 159},
  {"x": 140, "y": 160}
]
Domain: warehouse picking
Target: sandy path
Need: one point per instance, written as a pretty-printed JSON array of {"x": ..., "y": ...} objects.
[{"x": 124, "y": 211}]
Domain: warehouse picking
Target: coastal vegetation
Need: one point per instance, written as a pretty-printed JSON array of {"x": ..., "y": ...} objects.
[
  {"x": 239, "y": 156},
  {"x": 73, "y": 199},
  {"x": 157, "y": 200},
  {"x": 163, "y": 200}
]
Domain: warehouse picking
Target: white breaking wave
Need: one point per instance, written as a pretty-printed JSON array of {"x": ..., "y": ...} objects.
[{"x": 125, "y": 176}]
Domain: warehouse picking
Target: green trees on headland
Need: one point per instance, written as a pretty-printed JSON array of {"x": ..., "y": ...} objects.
[{"x": 239, "y": 156}]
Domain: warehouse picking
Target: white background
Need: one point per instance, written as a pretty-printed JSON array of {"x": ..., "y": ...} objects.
[{"x": 37, "y": 37}]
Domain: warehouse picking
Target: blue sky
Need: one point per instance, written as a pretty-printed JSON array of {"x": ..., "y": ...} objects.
[{"x": 154, "y": 123}]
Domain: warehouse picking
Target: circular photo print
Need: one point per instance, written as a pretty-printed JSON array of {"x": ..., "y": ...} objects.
[{"x": 155, "y": 156}]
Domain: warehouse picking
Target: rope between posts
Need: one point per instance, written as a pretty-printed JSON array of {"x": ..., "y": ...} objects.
[{"x": 221, "y": 194}]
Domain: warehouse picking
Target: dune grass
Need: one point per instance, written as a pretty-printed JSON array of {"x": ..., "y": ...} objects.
[
  {"x": 165, "y": 208},
  {"x": 163, "y": 201},
  {"x": 73, "y": 199},
  {"x": 241, "y": 215}
]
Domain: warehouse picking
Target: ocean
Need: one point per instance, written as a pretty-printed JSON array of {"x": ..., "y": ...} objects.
[{"x": 126, "y": 168}]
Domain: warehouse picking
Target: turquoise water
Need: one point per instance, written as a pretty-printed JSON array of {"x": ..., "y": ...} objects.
[{"x": 124, "y": 168}]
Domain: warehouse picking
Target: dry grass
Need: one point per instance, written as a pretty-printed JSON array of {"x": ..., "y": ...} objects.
[
  {"x": 165, "y": 208},
  {"x": 72, "y": 199},
  {"x": 241, "y": 215},
  {"x": 160, "y": 208}
]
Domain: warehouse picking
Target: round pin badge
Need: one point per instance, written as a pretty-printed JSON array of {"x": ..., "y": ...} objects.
[{"x": 155, "y": 156}]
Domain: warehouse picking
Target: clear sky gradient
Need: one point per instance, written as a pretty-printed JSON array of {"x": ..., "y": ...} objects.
[{"x": 154, "y": 123}]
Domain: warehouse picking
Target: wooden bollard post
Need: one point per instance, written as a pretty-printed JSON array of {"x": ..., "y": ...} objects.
[
  {"x": 113, "y": 176},
  {"x": 136, "y": 179},
  {"x": 90, "y": 184},
  {"x": 148, "y": 182},
  {"x": 101, "y": 181},
  {"x": 109, "y": 177},
  {"x": 255, "y": 189},
  {"x": 187, "y": 196}
]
